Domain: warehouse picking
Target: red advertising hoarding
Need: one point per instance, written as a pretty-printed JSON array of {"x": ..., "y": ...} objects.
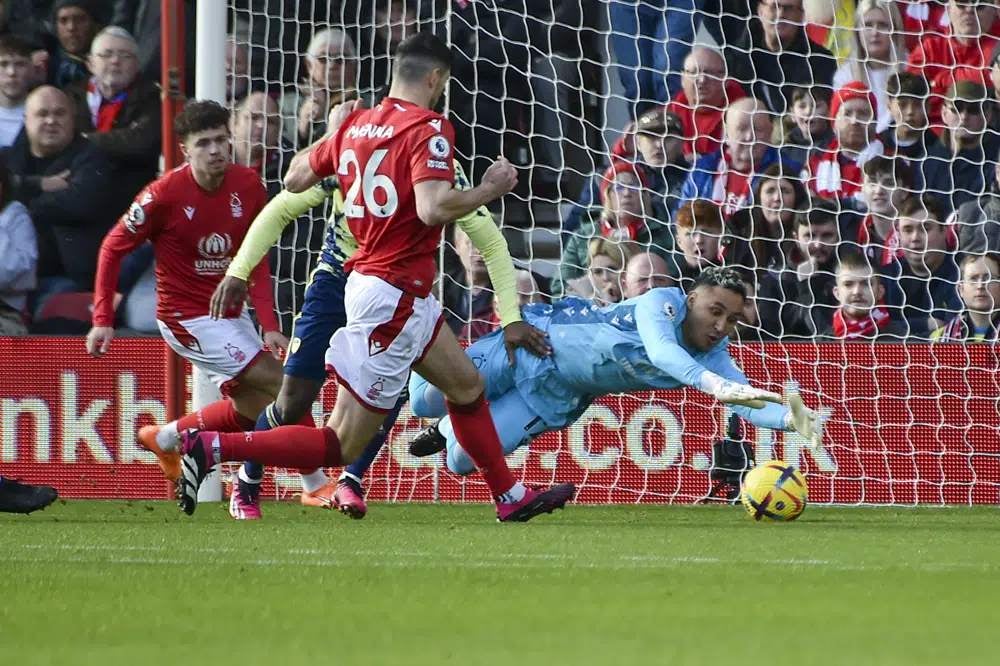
[{"x": 911, "y": 424}]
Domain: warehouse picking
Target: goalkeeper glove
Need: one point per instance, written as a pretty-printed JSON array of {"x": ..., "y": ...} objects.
[
  {"x": 733, "y": 393},
  {"x": 807, "y": 422}
]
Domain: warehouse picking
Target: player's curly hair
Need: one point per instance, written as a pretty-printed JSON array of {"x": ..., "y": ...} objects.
[
  {"x": 198, "y": 116},
  {"x": 726, "y": 277}
]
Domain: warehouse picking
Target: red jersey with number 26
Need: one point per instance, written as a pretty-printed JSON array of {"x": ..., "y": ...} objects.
[{"x": 379, "y": 154}]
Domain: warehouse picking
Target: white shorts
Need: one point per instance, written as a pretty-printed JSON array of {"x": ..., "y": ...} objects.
[
  {"x": 387, "y": 332},
  {"x": 221, "y": 348}
]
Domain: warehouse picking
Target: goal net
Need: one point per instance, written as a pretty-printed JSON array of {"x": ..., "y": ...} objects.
[{"x": 572, "y": 92}]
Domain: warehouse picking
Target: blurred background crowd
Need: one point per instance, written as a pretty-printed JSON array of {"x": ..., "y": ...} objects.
[{"x": 843, "y": 154}]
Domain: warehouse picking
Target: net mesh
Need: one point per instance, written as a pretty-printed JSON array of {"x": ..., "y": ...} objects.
[{"x": 760, "y": 148}]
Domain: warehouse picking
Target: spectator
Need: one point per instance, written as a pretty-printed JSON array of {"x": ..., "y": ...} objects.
[
  {"x": 705, "y": 94},
  {"x": 908, "y": 137},
  {"x": 527, "y": 290},
  {"x": 886, "y": 183},
  {"x": 700, "y": 226},
  {"x": 748, "y": 329},
  {"x": 257, "y": 140},
  {"x": 602, "y": 284},
  {"x": 926, "y": 274},
  {"x": 729, "y": 175},
  {"x": 119, "y": 112},
  {"x": 959, "y": 168},
  {"x": 237, "y": 70},
  {"x": 861, "y": 316},
  {"x": 76, "y": 24},
  {"x": 18, "y": 259},
  {"x": 922, "y": 18},
  {"x": 394, "y": 21},
  {"x": 798, "y": 301},
  {"x": 835, "y": 173},
  {"x": 764, "y": 233},
  {"x": 774, "y": 56},
  {"x": 654, "y": 142},
  {"x": 332, "y": 77},
  {"x": 63, "y": 180},
  {"x": 878, "y": 52},
  {"x": 660, "y": 152},
  {"x": 645, "y": 271},
  {"x": 831, "y": 25},
  {"x": 650, "y": 40},
  {"x": 143, "y": 21},
  {"x": 15, "y": 80},
  {"x": 624, "y": 216},
  {"x": 980, "y": 294},
  {"x": 475, "y": 309},
  {"x": 979, "y": 221},
  {"x": 811, "y": 131},
  {"x": 962, "y": 53}
]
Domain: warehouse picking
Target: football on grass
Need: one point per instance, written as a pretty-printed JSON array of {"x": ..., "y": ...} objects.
[{"x": 774, "y": 490}]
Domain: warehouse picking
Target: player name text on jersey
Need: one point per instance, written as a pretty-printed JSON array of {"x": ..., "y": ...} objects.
[{"x": 370, "y": 131}]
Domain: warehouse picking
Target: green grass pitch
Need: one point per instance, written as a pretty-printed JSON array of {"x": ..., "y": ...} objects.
[{"x": 140, "y": 584}]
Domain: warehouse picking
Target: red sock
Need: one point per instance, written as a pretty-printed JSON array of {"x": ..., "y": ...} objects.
[
  {"x": 287, "y": 446},
  {"x": 220, "y": 416},
  {"x": 476, "y": 433},
  {"x": 308, "y": 422}
]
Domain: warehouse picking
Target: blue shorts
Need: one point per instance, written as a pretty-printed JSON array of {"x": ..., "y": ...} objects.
[{"x": 321, "y": 315}]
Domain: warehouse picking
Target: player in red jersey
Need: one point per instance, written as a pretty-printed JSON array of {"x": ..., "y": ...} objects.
[
  {"x": 394, "y": 163},
  {"x": 196, "y": 217}
]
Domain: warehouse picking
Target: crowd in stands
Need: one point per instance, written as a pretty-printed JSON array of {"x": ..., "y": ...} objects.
[{"x": 844, "y": 155}]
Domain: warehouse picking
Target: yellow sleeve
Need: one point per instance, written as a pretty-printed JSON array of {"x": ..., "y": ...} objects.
[
  {"x": 486, "y": 237},
  {"x": 267, "y": 227}
]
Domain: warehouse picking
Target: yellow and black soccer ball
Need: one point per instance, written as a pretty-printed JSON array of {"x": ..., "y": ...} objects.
[{"x": 774, "y": 490}]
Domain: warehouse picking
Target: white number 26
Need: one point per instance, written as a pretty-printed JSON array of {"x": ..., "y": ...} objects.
[{"x": 368, "y": 182}]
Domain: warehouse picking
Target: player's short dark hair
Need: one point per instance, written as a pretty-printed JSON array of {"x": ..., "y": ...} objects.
[
  {"x": 906, "y": 84},
  {"x": 418, "y": 55},
  {"x": 198, "y": 116},
  {"x": 726, "y": 277},
  {"x": 11, "y": 44},
  {"x": 897, "y": 169},
  {"x": 924, "y": 203}
]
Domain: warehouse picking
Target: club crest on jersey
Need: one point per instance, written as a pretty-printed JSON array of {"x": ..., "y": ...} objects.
[
  {"x": 375, "y": 390},
  {"x": 439, "y": 146},
  {"x": 135, "y": 218},
  {"x": 235, "y": 353},
  {"x": 235, "y": 205},
  {"x": 668, "y": 309}
]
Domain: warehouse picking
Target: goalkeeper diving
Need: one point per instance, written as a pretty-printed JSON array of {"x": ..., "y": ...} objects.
[{"x": 663, "y": 339}]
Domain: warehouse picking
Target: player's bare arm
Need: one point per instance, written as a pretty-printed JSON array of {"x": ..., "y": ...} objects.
[
  {"x": 300, "y": 176},
  {"x": 439, "y": 202},
  {"x": 228, "y": 297}
]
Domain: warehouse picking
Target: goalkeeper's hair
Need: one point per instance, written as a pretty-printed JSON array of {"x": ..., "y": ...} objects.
[
  {"x": 198, "y": 116},
  {"x": 420, "y": 54},
  {"x": 726, "y": 277}
]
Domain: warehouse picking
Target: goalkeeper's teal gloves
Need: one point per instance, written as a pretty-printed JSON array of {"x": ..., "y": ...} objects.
[
  {"x": 734, "y": 393},
  {"x": 803, "y": 420}
]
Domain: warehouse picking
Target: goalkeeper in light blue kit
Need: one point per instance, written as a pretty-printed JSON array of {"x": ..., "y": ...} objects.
[{"x": 662, "y": 339}]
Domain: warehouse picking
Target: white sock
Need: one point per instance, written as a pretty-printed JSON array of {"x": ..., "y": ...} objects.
[
  {"x": 246, "y": 479},
  {"x": 515, "y": 494},
  {"x": 168, "y": 438},
  {"x": 314, "y": 480}
]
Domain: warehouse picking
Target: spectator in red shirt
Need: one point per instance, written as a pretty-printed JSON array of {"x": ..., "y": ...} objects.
[
  {"x": 962, "y": 54},
  {"x": 922, "y": 18},
  {"x": 836, "y": 172},
  {"x": 886, "y": 183},
  {"x": 705, "y": 94}
]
